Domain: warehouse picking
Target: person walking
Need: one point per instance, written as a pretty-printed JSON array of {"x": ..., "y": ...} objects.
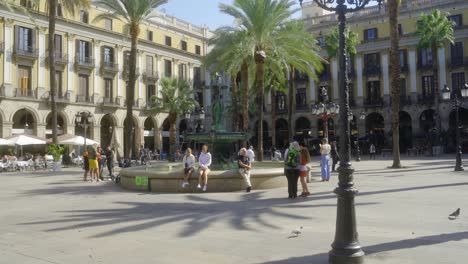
[
  {"x": 291, "y": 168},
  {"x": 189, "y": 163},
  {"x": 86, "y": 165},
  {"x": 101, "y": 159},
  {"x": 244, "y": 168},
  {"x": 142, "y": 153},
  {"x": 372, "y": 151},
  {"x": 335, "y": 155},
  {"x": 110, "y": 161},
  {"x": 325, "y": 150},
  {"x": 204, "y": 161},
  {"x": 303, "y": 170}
]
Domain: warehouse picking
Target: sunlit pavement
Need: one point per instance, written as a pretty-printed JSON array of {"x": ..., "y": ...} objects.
[{"x": 402, "y": 218}]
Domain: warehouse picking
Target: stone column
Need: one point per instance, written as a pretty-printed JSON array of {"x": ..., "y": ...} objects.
[
  {"x": 190, "y": 74},
  {"x": 140, "y": 79},
  {"x": 158, "y": 68},
  {"x": 6, "y": 129},
  {"x": 97, "y": 61},
  {"x": 119, "y": 134},
  {"x": 334, "y": 72},
  {"x": 96, "y": 132},
  {"x": 175, "y": 71},
  {"x": 442, "y": 69},
  {"x": 413, "y": 74},
  {"x": 312, "y": 90},
  {"x": 71, "y": 67},
  {"x": 41, "y": 62},
  {"x": 360, "y": 85},
  {"x": 386, "y": 79},
  {"x": 41, "y": 130},
  {"x": 120, "y": 60},
  {"x": 7, "y": 61}
]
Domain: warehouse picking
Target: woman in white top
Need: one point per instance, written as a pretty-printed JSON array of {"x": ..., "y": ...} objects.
[
  {"x": 325, "y": 149},
  {"x": 189, "y": 163},
  {"x": 204, "y": 161}
]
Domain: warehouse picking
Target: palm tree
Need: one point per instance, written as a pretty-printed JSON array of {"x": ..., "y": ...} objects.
[
  {"x": 267, "y": 24},
  {"x": 68, "y": 6},
  {"x": 332, "y": 41},
  {"x": 133, "y": 13},
  {"x": 395, "y": 79},
  {"x": 232, "y": 54},
  {"x": 435, "y": 31},
  {"x": 176, "y": 99},
  {"x": 12, "y": 6}
]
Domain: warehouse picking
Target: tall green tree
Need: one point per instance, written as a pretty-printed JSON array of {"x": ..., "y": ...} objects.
[
  {"x": 435, "y": 31},
  {"x": 232, "y": 53},
  {"x": 393, "y": 6},
  {"x": 69, "y": 6},
  {"x": 332, "y": 43},
  {"x": 272, "y": 34},
  {"x": 133, "y": 13},
  {"x": 176, "y": 99}
]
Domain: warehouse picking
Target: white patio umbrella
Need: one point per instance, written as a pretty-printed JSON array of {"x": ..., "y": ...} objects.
[
  {"x": 6, "y": 142},
  {"x": 23, "y": 140},
  {"x": 77, "y": 141}
]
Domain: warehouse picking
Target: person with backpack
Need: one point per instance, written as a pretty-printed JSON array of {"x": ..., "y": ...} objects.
[
  {"x": 291, "y": 168},
  {"x": 245, "y": 166},
  {"x": 325, "y": 150}
]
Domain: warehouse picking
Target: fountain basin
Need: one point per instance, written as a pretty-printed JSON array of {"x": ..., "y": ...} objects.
[{"x": 167, "y": 178}]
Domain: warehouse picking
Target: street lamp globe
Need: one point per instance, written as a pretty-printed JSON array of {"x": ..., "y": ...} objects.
[
  {"x": 202, "y": 114},
  {"x": 332, "y": 107},
  {"x": 90, "y": 118},
  {"x": 187, "y": 114},
  {"x": 314, "y": 109},
  {"x": 446, "y": 92},
  {"x": 78, "y": 117},
  {"x": 464, "y": 90},
  {"x": 362, "y": 116}
]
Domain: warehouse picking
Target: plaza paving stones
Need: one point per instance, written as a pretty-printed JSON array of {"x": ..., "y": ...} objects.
[{"x": 402, "y": 218}]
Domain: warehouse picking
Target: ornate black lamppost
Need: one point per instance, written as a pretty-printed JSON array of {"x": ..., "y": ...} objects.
[
  {"x": 346, "y": 247},
  {"x": 199, "y": 119},
  {"x": 457, "y": 103},
  {"x": 324, "y": 112},
  {"x": 83, "y": 119}
]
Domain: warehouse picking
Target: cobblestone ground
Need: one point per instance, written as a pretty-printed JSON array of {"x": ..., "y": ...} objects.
[{"x": 402, "y": 218}]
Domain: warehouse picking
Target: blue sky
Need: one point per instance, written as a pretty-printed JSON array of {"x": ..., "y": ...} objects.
[{"x": 198, "y": 12}]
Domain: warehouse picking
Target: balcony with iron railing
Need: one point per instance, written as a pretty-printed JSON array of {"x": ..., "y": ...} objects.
[
  {"x": 404, "y": 100},
  {"x": 374, "y": 101},
  {"x": 151, "y": 76},
  {"x": 83, "y": 99},
  {"x": 404, "y": 68},
  {"x": 456, "y": 62},
  {"x": 84, "y": 62},
  {"x": 426, "y": 99},
  {"x": 372, "y": 70},
  {"x": 109, "y": 102},
  {"x": 302, "y": 107},
  {"x": 424, "y": 66},
  {"x": 26, "y": 52},
  {"x": 109, "y": 66},
  {"x": 126, "y": 71},
  {"x": 24, "y": 93},
  {"x": 60, "y": 58},
  {"x": 135, "y": 103}
]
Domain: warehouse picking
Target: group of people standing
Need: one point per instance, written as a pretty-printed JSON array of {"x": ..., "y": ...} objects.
[{"x": 94, "y": 161}]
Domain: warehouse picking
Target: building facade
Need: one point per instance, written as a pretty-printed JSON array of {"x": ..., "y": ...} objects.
[
  {"x": 369, "y": 78},
  {"x": 92, "y": 72}
]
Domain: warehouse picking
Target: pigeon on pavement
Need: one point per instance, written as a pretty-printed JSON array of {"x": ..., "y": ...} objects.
[
  {"x": 296, "y": 232},
  {"x": 454, "y": 215}
]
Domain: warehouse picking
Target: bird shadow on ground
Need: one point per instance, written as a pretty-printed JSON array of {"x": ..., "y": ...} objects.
[{"x": 372, "y": 252}]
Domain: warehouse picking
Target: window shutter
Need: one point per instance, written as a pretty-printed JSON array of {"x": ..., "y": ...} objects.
[
  {"x": 77, "y": 50},
  {"x": 90, "y": 50},
  {"x": 33, "y": 40},
  {"x": 365, "y": 34},
  {"x": 16, "y": 37},
  {"x": 376, "y": 33}
]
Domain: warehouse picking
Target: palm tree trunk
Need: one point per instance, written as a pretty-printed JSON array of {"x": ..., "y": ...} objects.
[
  {"x": 273, "y": 118},
  {"x": 53, "y": 84},
  {"x": 235, "y": 112},
  {"x": 130, "y": 93},
  {"x": 245, "y": 98},
  {"x": 435, "y": 63},
  {"x": 259, "y": 82},
  {"x": 394, "y": 80},
  {"x": 172, "y": 135},
  {"x": 291, "y": 105}
]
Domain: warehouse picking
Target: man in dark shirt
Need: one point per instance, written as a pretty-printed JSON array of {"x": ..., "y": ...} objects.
[
  {"x": 110, "y": 161},
  {"x": 335, "y": 155},
  {"x": 244, "y": 167}
]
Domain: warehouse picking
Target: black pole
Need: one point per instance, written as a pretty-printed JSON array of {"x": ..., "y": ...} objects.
[
  {"x": 325, "y": 127},
  {"x": 458, "y": 163},
  {"x": 358, "y": 151},
  {"x": 346, "y": 247}
]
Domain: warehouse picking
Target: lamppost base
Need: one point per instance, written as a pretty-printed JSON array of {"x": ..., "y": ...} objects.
[
  {"x": 459, "y": 168},
  {"x": 346, "y": 256},
  {"x": 358, "y": 159}
]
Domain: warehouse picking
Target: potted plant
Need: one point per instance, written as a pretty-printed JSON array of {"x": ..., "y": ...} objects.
[{"x": 56, "y": 151}]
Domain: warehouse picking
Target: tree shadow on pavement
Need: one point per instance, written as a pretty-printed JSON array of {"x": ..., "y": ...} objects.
[{"x": 372, "y": 251}]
